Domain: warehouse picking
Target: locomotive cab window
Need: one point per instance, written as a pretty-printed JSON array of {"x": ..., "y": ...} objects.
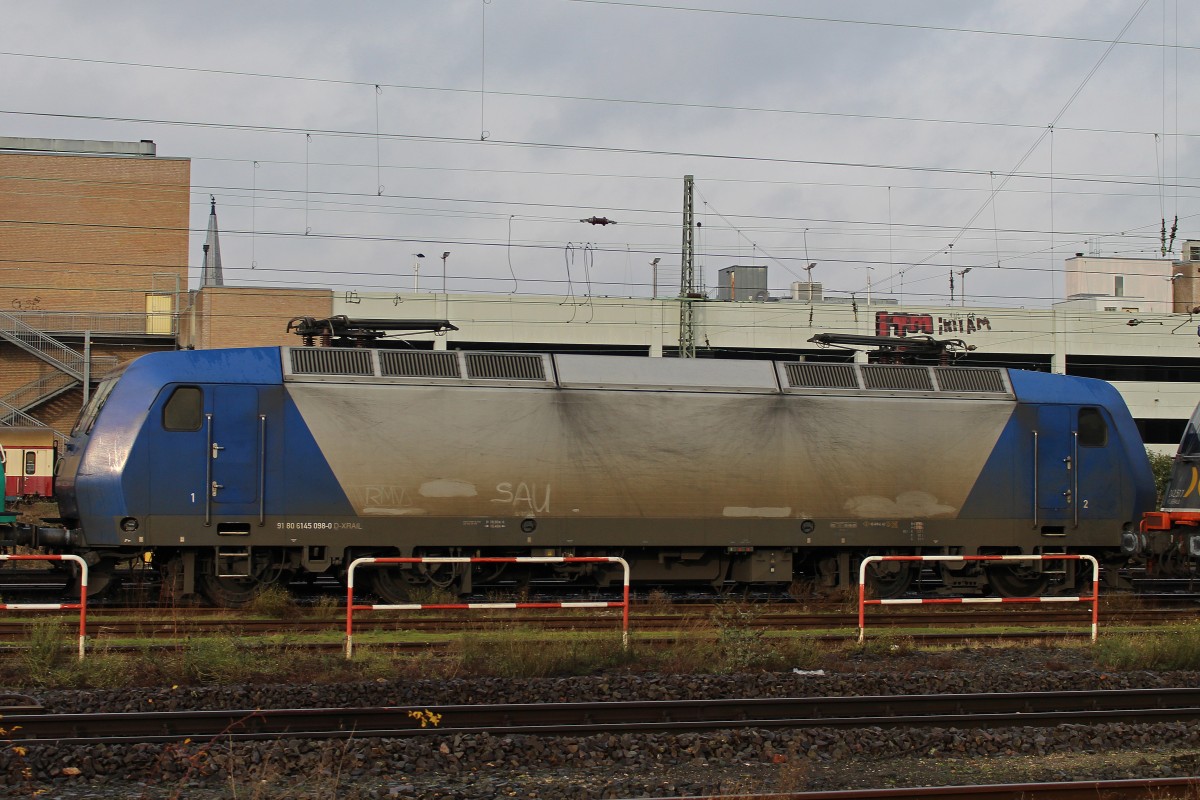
[
  {"x": 88, "y": 417},
  {"x": 1093, "y": 430},
  {"x": 182, "y": 411}
]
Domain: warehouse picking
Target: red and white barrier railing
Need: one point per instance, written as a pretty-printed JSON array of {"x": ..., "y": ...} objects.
[
  {"x": 863, "y": 602},
  {"x": 351, "y": 607},
  {"x": 83, "y": 591}
]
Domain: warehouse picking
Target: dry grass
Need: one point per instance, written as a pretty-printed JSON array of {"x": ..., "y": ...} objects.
[{"x": 1166, "y": 648}]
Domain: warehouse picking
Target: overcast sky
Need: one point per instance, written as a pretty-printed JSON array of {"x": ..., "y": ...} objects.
[{"x": 866, "y": 137}]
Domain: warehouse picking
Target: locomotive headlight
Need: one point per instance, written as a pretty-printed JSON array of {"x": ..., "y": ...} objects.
[{"x": 129, "y": 524}]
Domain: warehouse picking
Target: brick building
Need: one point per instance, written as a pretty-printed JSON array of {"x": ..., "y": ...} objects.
[
  {"x": 227, "y": 316},
  {"x": 93, "y": 237},
  {"x": 94, "y": 272}
]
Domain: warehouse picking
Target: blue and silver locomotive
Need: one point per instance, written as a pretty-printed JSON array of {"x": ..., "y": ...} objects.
[{"x": 238, "y": 468}]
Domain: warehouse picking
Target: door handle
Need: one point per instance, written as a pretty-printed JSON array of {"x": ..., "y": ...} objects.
[
  {"x": 215, "y": 487},
  {"x": 216, "y": 447}
]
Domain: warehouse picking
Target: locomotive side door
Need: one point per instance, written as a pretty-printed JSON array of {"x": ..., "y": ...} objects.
[
  {"x": 1055, "y": 465},
  {"x": 1098, "y": 480},
  {"x": 234, "y": 442},
  {"x": 206, "y": 452}
]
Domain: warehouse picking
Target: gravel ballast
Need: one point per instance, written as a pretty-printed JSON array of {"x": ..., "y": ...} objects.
[{"x": 616, "y": 765}]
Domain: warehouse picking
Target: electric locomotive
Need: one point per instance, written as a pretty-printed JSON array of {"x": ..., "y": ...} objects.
[
  {"x": 234, "y": 469},
  {"x": 1169, "y": 539}
]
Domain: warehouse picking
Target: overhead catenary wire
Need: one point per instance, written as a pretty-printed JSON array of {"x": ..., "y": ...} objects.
[
  {"x": 1048, "y": 131},
  {"x": 747, "y": 225},
  {"x": 483, "y": 92}
]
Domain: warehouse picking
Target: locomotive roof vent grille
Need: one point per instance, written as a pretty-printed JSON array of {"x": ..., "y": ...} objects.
[
  {"x": 506, "y": 366},
  {"x": 821, "y": 376},
  {"x": 891, "y": 376},
  {"x": 417, "y": 364},
  {"x": 969, "y": 379},
  {"x": 331, "y": 361}
]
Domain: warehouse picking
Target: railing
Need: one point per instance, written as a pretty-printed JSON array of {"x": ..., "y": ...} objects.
[
  {"x": 83, "y": 592},
  {"x": 13, "y": 406},
  {"x": 12, "y": 416},
  {"x": 1094, "y": 598},
  {"x": 76, "y": 322},
  {"x": 44, "y": 347},
  {"x": 351, "y": 607},
  {"x": 36, "y": 391}
]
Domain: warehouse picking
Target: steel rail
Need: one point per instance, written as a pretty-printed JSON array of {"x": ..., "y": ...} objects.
[
  {"x": 657, "y": 642},
  {"x": 1126, "y": 789},
  {"x": 164, "y": 626},
  {"x": 982, "y": 710}
]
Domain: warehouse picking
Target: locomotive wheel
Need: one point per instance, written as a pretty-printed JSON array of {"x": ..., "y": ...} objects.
[
  {"x": 1017, "y": 581},
  {"x": 889, "y": 579},
  {"x": 391, "y": 586},
  {"x": 101, "y": 581}
]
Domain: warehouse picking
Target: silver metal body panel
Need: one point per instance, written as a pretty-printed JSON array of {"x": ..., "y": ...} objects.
[{"x": 479, "y": 451}]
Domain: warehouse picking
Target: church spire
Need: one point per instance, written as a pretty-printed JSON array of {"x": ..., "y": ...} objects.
[{"x": 211, "y": 275}]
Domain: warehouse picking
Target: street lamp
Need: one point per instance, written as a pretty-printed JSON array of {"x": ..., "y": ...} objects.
[
  {"x": 445, "y": 255},
  {"x": 654, "y": 267},
  {"x": 417, "y": 271},
  {"x": 962, "y": 287}
]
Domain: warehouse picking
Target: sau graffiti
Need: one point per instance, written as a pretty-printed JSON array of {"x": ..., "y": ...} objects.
[
  {"x": 899, "y": 323},
  {"x": 523, "y": 496}
]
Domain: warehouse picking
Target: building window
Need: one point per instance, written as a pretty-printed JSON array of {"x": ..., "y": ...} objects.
[
  {"x": 1194, "y": 254},
  {"x": 1119, "y": 286}
]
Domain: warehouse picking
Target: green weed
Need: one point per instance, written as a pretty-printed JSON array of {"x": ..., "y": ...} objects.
[
  {"x": 327, "y": 607},
  {"x": 47, "y": 649},
  {"x": 276, "y": 602}
]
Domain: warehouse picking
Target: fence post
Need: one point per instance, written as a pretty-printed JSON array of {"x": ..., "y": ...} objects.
[
  {"x": 351, "y": 607},
  {"x": 83, "y": 591},
  {"x": 1094, "y": 598}
]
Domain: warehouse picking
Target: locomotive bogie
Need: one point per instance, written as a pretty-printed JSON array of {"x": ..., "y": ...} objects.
[{"x": 240, "y": 468}]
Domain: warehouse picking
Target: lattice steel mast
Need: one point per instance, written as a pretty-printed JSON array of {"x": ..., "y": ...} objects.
[{"x": 687, "y": 276}]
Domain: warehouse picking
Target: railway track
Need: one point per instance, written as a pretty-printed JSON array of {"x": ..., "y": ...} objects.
[
  {"x": 1137, "y": 789},
  {"x": 961, "y": 711},
  {"x": 152, "y": 623}
]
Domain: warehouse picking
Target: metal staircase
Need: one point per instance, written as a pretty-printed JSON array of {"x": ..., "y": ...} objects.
[
  {"x": 47, "y": 348},
  {"x": 69, "y": 363}
]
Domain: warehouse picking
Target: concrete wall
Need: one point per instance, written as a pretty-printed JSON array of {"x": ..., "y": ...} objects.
[
  {"x": 655, "y": 323},
  {"x": 1144, "y": 279}
]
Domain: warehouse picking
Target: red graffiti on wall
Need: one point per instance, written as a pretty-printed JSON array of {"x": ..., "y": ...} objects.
[
  {"x": 899, "y": 323},
  {"x": 888, "y": 323}
]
